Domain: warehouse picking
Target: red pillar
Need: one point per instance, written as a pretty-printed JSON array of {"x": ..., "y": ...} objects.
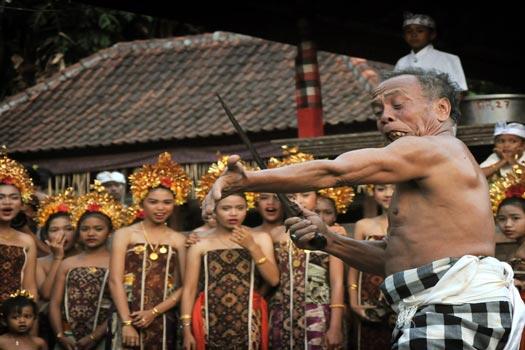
[{"x": 308, "y": 91}]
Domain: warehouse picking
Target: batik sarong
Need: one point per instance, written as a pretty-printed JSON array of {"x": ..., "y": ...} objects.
[
  {"x": 147, "y": 283},
  {"x": 12, "y": 263},
  {"x": 86, "y": 302},
  {"x": 376, "y": 333},
  {"x": 229, "y": 313},
  {"x": 299, "y": 309},
  {"x": 452, "y": 303}
]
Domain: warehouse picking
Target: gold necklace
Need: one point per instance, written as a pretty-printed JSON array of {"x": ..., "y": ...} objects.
[{"x": 153, "y": 255}]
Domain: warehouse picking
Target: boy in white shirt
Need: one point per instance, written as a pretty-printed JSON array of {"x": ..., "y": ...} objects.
[{"x": 419, "y": 31}]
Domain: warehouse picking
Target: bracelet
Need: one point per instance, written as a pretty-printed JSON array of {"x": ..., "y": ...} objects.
[
  {"x": 155, "y": 311},
  {"x": 353, "y": 286},
  {"x": 261, "y": 261},
  {"x": 55, "y": 258},
  {"x": 186, "y": 324},
  {"x": 333, "y": 306},
  {"x": 59, "y": 335},
  {"x": 92, "y": 337},
  {"x": 126, "y": 323},
  {"x": 185, "y": 317}
]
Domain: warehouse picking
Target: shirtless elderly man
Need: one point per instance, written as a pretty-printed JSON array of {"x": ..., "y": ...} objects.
[{"x": 442, "y": 279}]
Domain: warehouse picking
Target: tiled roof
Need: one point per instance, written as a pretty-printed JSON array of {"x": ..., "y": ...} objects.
[{"x": 160, "y": 90}]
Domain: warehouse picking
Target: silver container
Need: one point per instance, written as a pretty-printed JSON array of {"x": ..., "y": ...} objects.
[{"x": 486, "y": 109}]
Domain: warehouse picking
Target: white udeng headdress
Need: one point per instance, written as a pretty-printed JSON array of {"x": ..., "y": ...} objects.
[
  {"x": 502, "y": 128},
  {"x": 424, "y": 20}
]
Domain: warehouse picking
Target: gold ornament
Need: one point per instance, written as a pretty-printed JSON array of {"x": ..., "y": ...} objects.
[
  {"x": 291, "y": 155},
  {"x": 133, "y": 213},
  {"x": 511, "y": 185},
  {"x": 165, "y": 173},
  {"x": 99, "y": 201},
  {"x": 14, "y": 173},
  {"x": 163, "y": 250},
  {"x": 342, "y": 196},
  {"x": 22, "y": 293},
  {"x": 60, "y": 203},
  {"x": 214, "y": 171}
]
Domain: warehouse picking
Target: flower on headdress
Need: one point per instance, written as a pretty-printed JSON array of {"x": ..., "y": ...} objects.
[
  {"x": 62, "y": 208},
  {"x": 94, "y": 207},
  {"x": 515, "y": 191},
  {"x": 166, "y": 182},
  {"x": 8, "y": 181}
]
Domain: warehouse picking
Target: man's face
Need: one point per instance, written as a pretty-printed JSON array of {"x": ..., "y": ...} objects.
[
  {"x": 418, "y": 36},
  {"x": 116, "y": 189},
  {"x": 401, "y": 108}
]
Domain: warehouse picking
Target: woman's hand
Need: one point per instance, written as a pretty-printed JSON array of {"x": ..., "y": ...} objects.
[
  {"x": 243, "y": 237},
  {"x": 189, "y": 341},
  {"x": 67, "y": 343},
  {"x": 56, "y": 245},
  {"x": 142, "y": 319},
  {"x": 334, "y": 338},
  {"x": 130, "y": 336},
  {"x": 192, "y": 239},
  {"x": 86, "y": 343},
  {"x": 360, "y": 310}
]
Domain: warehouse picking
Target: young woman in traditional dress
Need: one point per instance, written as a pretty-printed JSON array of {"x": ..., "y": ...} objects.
[
  {"x": 232, "y": 262},
  {"x": 17, "y": 250},
  {"x": 57, "y": 231},
  {"x": 373, "y": 329},
  {"x": 507, "y": 195},
  {"x": 306, "y": 310},
  {"x": 80, "y": 304},
  {"x": 147, "y": 260}
]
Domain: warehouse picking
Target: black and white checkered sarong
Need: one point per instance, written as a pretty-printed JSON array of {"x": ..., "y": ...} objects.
[{"x": 437, "y": 326}]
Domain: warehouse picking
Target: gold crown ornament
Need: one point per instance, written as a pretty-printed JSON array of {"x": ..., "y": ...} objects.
[
  {"x": 214, "y": 171},
  {"x": 510, "y": 185},
  {"x": 98, "y": 201},
  {"x": 14, "y": 173},
  {"x": 133, "y": 213},
  {"x": 165, "y": 173},
  {"x": 22, "y": 293},
  {"x": 60, "y": 203},
  {"x": 342, "y": 196},
  {"x": 291, "y": 155}
]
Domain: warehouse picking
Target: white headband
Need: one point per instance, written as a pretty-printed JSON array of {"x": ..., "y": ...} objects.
[
  {"x": 502, "y": 128},
  {"x": 424, "y": 20}
]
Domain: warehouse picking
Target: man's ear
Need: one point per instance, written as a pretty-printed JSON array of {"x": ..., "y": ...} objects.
[{"x": 443, "y": 108}]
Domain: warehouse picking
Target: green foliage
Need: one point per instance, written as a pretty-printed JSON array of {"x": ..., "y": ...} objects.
[{"x": 39, "y": 31}]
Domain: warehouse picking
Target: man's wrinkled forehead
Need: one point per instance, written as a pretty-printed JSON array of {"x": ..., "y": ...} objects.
[{"x": 382, "y": 92}]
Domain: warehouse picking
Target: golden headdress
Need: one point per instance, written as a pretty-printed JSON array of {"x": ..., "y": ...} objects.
[
  {"x": 511, "y": 185},
  {"x": 22, "y": 293},
  {"x": 165, "y": 173},
  {"x": 60, "y": 203},
  {"x": 14, "y": 173},
  {"x": 98, "y": 201},
  {"x": 291, "y": 155},
  {"x": 133, "y": 213},
  {"x": 342, "y": 196},
  {"x": 214, "y": 171}
]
